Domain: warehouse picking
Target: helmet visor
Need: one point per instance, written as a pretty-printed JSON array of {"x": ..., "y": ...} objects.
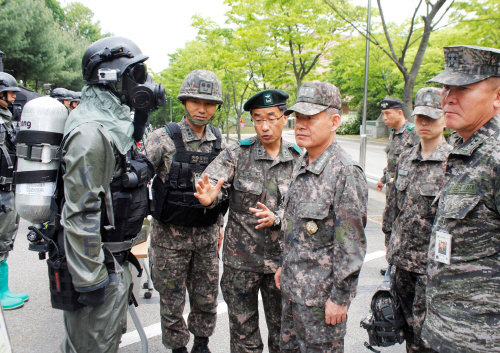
[{"x": 139, "y": 73}]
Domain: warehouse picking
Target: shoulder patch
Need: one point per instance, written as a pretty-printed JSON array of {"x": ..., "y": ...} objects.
[
  {"x": 245, "y": 142},
  {"x": 411, "y": 127},
  {"x": 297, "y": 148}
]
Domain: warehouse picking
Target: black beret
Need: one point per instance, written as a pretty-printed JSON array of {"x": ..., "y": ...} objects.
[
  {"x": 267, "y": 98},
  {"x": 390, "y": 103}
]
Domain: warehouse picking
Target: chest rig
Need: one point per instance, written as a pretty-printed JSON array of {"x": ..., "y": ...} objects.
[
  {"x": 126, "y": 203},
  {"x": 174, "y": 199}
]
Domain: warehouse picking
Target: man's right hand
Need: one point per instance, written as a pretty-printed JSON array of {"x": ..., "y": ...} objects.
[
  {"x": 207, "y": 192},
  {"x": 380, "y": 185},
  {"x": 277, "y": 278}
]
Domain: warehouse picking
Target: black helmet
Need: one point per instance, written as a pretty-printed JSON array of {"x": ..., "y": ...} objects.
[
  {"x": 8, "y": 83},
  {"x": 76, "y": 97},
  {"x": 61, "y": 94},
  {"x": 111, "y": 53}
]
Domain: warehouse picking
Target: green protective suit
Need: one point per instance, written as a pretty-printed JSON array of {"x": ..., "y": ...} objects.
[
  {"x": 98, "y": 126},
  {"x": 9, "y": 221}
]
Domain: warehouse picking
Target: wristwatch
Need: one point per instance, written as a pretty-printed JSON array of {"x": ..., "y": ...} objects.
[{"x": 277, "y": 220}]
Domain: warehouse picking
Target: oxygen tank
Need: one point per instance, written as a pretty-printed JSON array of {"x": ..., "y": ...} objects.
[{"x": 41, "y": 133}]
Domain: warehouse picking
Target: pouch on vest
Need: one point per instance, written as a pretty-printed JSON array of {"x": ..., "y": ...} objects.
[
  {"x": 130, "y": 199},
  {"x": 175, "y": 202}
]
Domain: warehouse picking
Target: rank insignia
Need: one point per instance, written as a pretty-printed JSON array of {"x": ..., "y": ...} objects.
[{"x": 311, "y": 227}]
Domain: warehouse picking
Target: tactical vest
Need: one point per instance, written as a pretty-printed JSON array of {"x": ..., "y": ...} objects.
[
  {"x": 174, "y": 202},
  {"x": 8, "y": 158},
  {"x": 122, "y": 213},
  {"x": 126, "y": 203}
]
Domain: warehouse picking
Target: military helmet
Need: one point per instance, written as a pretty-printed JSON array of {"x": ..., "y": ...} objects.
[
  {"x": 8, "y": 83},
  {"x": 201, "y": 84},
  {"x": 385, "y": 321},
  {"x": 61, "y": 94},
  {"x": 76, "y": 97},
  {"x": 113, "y": 53}
]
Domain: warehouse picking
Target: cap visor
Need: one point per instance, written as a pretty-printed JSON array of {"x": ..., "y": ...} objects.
[
  {"x": 306, "y": 108},
  {"x": 454, "y": 78},
  {"x": 433, "y": 113}
]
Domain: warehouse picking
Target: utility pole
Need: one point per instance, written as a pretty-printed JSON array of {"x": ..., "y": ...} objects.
[{"x": 362, "y": 152}]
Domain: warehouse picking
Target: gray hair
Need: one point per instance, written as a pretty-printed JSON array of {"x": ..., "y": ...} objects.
[{"x": 330, "y": 111}]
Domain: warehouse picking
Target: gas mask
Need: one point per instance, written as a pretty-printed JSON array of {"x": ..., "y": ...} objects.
[{"x": 137, "y": 90}]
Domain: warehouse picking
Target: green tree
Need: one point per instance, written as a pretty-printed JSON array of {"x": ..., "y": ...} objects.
[
  {"x": 480, "y": 19},
  {"x": 406, "y": 44},
  {"x": 297, "y": 34},
  {"x": 78, "y": 22}
]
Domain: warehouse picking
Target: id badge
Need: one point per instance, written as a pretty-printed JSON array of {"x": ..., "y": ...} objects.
[{"x": 442, "y": 251}]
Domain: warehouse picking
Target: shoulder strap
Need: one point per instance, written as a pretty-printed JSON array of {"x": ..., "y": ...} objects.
[
  {"x": 245, "y": 142},
  {"x": 174, "y": 131}
]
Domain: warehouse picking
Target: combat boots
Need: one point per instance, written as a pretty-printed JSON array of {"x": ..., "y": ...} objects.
[
  {"x": 200, "y": 345},
  {"x": 8, "y": 302}
]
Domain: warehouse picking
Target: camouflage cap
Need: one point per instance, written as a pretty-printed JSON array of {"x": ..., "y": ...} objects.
[
  {"x": 467, "y": 64},
  {"x": 267, "y": 98},
  {"x": 428, "y": 102},
  {"x": 201, "y": 84},
  {"x": 314, "y": 97},
  {"x": 391, "y": 103}
]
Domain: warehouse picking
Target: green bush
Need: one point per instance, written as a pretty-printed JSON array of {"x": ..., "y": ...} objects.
[{"x": 350, "y": 125}]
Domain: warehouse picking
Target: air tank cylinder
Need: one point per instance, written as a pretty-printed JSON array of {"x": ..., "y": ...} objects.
[{"x": 41, "y": 132}]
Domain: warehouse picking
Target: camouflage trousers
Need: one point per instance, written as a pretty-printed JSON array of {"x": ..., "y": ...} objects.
[
  {"x": 410, "y": 288},
  {"x": 9, "y": 222},
  {"x": 240, "y": 289},
  {"x": 304, "y": 329},
  {"x": 174, "y": 271}
]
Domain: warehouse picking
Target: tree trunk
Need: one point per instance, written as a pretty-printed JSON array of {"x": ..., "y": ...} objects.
[
  {"x": 238, "y": 128},
  {"x": 407, "y": 99}
]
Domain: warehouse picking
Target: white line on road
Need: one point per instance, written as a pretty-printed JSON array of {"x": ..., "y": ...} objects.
[
  {"x": 155, "y": 329},
  {"x": 374, "y": 255}
]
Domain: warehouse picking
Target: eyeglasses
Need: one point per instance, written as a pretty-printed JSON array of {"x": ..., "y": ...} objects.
[{"x": 270, "y": 121}]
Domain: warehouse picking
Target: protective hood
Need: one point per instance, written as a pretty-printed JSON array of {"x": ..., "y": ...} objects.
[{"x": 100, "y": 106}]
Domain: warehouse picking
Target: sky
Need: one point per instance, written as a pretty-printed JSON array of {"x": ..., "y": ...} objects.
[{"x": 160, "y": 27}]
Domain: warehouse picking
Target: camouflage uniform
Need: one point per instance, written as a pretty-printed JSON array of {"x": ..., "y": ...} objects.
[
  {"x": 183, "y": 257},
  {"x": 463, "y": 298},
  {"x": 331, "y": 192},
  {"x": 399, "y": 141},
  {"x": 251, "y": 256},
  {"x": 408, "y": 219},
  {"x": 9, "y": 220}
]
